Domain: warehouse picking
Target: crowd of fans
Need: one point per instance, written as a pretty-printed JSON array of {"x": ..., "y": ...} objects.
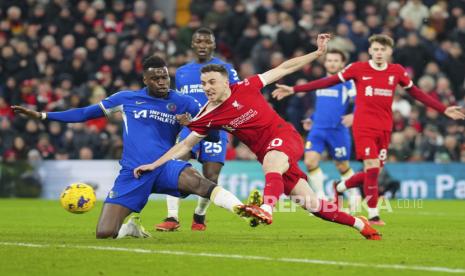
[{"x": 61, "y": 54}]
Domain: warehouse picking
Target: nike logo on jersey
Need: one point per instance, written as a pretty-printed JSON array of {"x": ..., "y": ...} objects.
[
  {"x": 141, "y": 102},
  {"x": 366, "y": 78}
]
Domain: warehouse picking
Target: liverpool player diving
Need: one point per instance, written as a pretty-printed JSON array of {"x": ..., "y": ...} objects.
[{"x": 241, "y": 110}]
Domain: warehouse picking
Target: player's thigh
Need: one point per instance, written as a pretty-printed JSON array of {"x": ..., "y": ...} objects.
[
  {"x": 339, "y": 144},
  {"x": 312, "y": 159},
  {"x": 292, "y": 176},
  {"x": 192, "y": 182},
  {"x": 304, "y": 196},
  {"x": 366, "y": 146},
  {"x": 169, "y": 178},
  {"x": 283, "y": 149},
  {"x": 275, "y": 161},
  {"x": 211, "y": 170}
]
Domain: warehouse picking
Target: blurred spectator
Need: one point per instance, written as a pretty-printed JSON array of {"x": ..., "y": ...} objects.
[{"x": 414, "y": 11}]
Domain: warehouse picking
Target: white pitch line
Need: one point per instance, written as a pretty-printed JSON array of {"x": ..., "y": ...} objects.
[{"x": 243, "y": 257}]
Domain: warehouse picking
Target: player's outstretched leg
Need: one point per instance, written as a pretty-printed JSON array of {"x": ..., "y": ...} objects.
[
  {"x": 171, "y": 222},
  {"x": 191, "y": 182},
  {"x": 304, "y": 196}
]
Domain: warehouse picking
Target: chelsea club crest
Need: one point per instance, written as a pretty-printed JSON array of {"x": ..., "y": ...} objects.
[{"x": 171, "y": 107}]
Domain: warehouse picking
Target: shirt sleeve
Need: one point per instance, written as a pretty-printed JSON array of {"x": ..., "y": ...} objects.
[
  {"x": 404, "y": 78},
  {"x": 199, "y": 128},
  {"x": 114, "y": 103},
  {"x": 348, "y": 73},
  {"x": 233, "y": 76},
  {"x": 193, "y": 107}
]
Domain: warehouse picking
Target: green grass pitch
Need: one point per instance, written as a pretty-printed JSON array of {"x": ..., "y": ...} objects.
[{"x": 38, "y": 237}]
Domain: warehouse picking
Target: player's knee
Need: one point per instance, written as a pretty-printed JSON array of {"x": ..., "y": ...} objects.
[
  {"x": 212, "y": 176},
  {"x": 310, "y": 163},
  {"x": 106, "y": 233},
  {"x": 342, "y": 166}
]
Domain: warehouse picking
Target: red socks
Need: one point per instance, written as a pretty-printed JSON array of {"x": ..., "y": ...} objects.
[
  {"x": 329, "y": 211},
  {"x": 355, "y": 180},
  {"x": 274, "y": 188},
  {"x": 370, "y": 187}
]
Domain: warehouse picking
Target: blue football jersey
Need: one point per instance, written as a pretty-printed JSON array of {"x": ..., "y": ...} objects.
[
  {"x": 149, "y": 124},
  {"x": 331, "y": 104},
  {"x": 188, "y": 78}
]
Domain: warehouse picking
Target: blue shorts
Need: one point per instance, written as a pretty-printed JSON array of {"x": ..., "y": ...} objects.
[
  {"x": 133, "y": 193},
  {"x": 206, "y": 151},
  {"x": 336, "y": 140}
]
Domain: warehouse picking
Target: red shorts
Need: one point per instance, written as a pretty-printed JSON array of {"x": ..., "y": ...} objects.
[
  {"x": 291, "y": 143},
  {"x": 371, "y": 143}
]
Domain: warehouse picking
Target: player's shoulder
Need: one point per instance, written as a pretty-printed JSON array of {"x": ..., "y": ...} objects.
[
  {"x": 396, "y": 67},
  {"x": 127, "y": 94},
  {"x": 191, "y": 65}
]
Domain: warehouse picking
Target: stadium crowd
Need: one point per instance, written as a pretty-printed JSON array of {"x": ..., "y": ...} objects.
[{"x": 60, "y": 54}]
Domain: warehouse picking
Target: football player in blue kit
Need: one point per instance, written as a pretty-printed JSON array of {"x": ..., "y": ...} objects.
[
  {"x": 150, "y": 128},
  {"x": 329, "y": 128},
  {"x": 211, "y": 154}
]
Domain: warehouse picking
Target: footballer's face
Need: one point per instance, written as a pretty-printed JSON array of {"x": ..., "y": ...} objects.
[
  {"x": 380, "y": 53},
  {"x": 333, "y": 63},
  {"x": 215, "y": 86},
  {"x": 203, "y": 46},
  {"x": 157, "y": 81}
]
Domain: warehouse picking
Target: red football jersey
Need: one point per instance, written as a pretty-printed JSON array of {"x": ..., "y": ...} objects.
[
  {"x": 246, "y": 114},
  {"x": 375, "y": 92}
]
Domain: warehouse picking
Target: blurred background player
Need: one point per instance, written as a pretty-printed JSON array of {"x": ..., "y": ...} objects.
[
  {"x": 150, "y": 129},
  {"x": 376, "y": 81},
  {"x": 329, "y": 127},
  {"x": 243, "y": 111},
  {"x": 211, "y": 154}
]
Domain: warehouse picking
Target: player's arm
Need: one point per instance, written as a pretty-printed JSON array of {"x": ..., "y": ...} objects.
[
  {"x": 68, "y": 116},
  {"x": 284, "y": 90},
  {"x": 177, "y": 151},
  {"x": 292, "y": 65},
  {"x": 453, "y": 112}
]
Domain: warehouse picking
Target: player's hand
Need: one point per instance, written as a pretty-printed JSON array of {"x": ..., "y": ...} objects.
[
  {"x": 322, "y": 43},
  {"x": 184, "y": 119},
  {"x": 282, "y": 91},
  {"x": 348, "y": 120},
  {"x": 26, "y": 112},
  {"x": 307, "y": 124},
  {"x": 142, "y": 169},
  {"x": 455, "y": 112}
]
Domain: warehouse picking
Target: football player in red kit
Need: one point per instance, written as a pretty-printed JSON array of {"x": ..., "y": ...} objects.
[
  {"x": 241, "y": 110},
  {"x": 376, "y": 81}
]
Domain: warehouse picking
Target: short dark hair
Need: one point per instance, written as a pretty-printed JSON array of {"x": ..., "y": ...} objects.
[
  {"x": 214, "y": 68},
  {"x": 338, "y": 52},
  {"x": 381, "y": 39},
  {"x": 153, "y": 62},
  {"x": 203, "y": 30}
]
